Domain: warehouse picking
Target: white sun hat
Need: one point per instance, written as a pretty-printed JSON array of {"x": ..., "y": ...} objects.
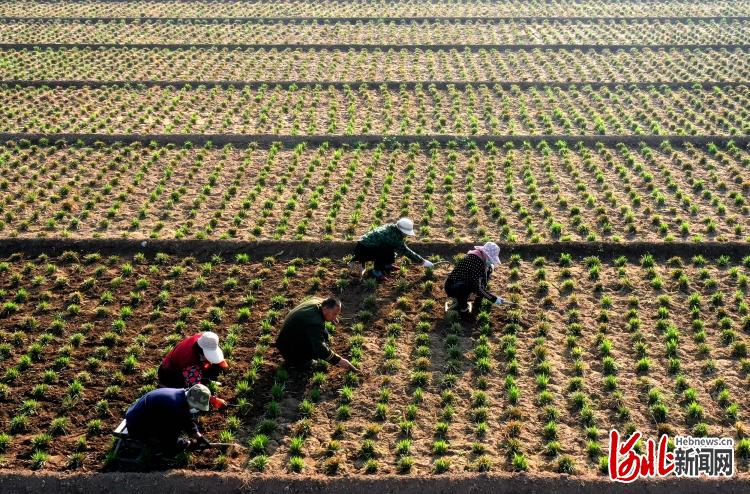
[
  {"x": 492, "y": 251},
  {"x": 406, "y": 226},
  {"x": 209, "y": 343}
]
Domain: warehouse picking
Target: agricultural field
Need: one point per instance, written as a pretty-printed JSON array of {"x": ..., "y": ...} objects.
[
  {"x": 154, "y": 153},
  {"x": 657, "y": 345}
]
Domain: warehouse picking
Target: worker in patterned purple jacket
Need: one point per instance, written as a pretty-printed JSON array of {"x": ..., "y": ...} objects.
[{"x": 471, "y": 275}]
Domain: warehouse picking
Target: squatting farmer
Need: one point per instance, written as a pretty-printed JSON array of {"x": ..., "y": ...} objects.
[
  {"x": 381, "y": 246},
  {"x": 304, "y": 337},
  {"x": 161, "y": 416},
  {"x": 471, "y": 276},
  {"x": 196, "y": 359}
]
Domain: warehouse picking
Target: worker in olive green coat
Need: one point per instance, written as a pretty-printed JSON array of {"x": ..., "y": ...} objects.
[{"x": 304, "y": 337}]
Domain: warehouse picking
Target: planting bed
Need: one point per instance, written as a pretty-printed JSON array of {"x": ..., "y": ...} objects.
[
  {"x": 544, "y": 192},
  {"x": 558, "y": 65},
  {"x": 470, "y": 110},
  {"x": 654, "y": 344},
  {"x": 591, "y": 32}
]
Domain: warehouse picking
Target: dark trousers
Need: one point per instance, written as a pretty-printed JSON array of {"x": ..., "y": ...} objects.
[
  {"x": 461, "y": 292},
  {"x": 163, "y": 441},
  {"x": 293, "y": 356},
  {"x": 380, "y": 256}
]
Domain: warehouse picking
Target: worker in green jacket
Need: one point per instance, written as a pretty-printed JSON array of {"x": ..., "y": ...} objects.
[
  {"x": 304, "y": 337},
  {"x": 381, "y": 246}
]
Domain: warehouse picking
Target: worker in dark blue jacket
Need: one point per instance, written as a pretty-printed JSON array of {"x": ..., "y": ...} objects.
[{"x": 161, "y": 416}]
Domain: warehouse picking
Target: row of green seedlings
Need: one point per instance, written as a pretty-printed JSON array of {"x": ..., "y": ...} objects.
[
  {"x": 579, "y": 403},
  {"x": 213, "y": 180},
  {"x": 410, "y": 175},
  {"x": 516, "y": 455},
  {"x": 447, "y": 196},
  {"x": 440, "y": 446},
  {"x": 474, "y": 219},
  {"x": 291, "y": 203},
  {"x": 368, "y": 454},
  {"x": 512, "y": 420},
  {"x": 307, "y": 408},
  {"x": 608, "y": 365},
  {"x": 523, "y": 213},
  {"x": 419, "y": 377},
  {"x": 266, "y": 429},
  {"x": 59, "y": 426},
  {"x": 480, "y": 407},
  {"x": 334, "y": 458},
  {"x": 335, "y": 203},
  {"x": 249, "y": 199},
  {"x": 532, "y": 187},
  {"x": 489, "y": 196},
  {"x": 262, "y": 186}
]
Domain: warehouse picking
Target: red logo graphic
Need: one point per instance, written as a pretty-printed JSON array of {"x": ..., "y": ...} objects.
[{"x": 625, "y": 465}]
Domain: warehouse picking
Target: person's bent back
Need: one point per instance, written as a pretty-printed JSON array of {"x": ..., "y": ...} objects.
[{"x": 163, "y": 414}]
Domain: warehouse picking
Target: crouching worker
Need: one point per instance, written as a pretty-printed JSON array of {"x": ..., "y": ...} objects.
[
  {"x": 196, "y": 359},
  {"x": 381, "y": 246},
  {"x": 471, "y": 276},
  {"x": 304, "y": 337},
  {"x": 161, "y": 416}
]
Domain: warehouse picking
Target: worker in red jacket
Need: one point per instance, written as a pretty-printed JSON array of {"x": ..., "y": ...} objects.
[{"x": 196, "y": 359}]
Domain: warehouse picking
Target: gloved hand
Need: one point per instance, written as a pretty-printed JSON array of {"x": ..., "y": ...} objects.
[
  {"x": 217, "y": 403},
  {"x": 202, "y": 442},
  {"x": 428, "y": 264},
  {"x": 499, "y": 301}
]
